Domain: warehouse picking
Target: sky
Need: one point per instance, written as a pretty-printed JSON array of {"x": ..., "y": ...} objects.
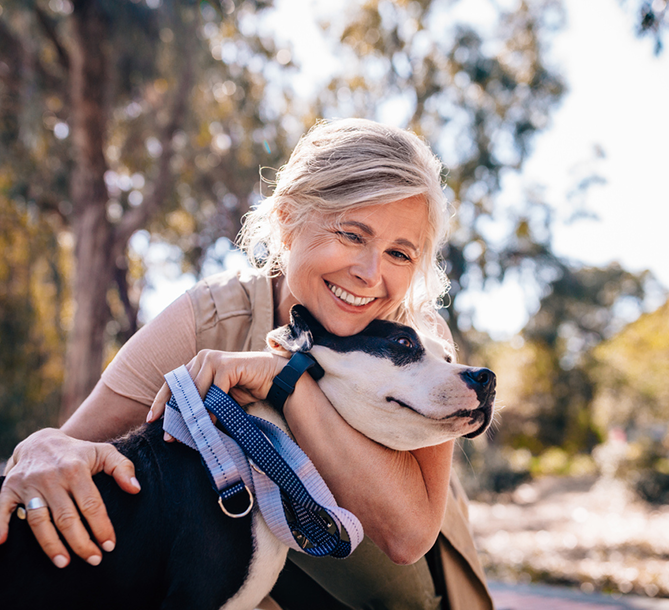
[
  {"x": 613, "y": 120},
  {"x": 617, "y": 105}
]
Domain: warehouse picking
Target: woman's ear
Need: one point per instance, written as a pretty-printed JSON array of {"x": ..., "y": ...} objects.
[{"x": 283, "y": 218}]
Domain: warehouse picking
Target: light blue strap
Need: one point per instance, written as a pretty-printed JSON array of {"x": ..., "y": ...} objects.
[{"x": 190, "y": 424}]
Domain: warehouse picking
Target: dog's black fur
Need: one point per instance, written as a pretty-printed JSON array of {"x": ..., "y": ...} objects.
[{"x": 175, "y": 548}]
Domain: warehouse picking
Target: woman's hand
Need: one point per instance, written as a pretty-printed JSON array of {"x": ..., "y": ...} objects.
[
  {"x": 246, "y": 376},
  {"x": 58, "y": 469}
]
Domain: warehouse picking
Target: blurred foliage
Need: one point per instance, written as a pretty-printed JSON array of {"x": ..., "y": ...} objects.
[
  {"x": 631, "y": 370},
  {"x": 546, "y": 374},
  {"x": 651, "y": 19},
  {"x": 159, "y": 123},
  {"x": 34, "y": 271},
  {"x": 487, "y": 470},
  {"x": 581, "y": 384},
  {"x": 642, "y": 462}
]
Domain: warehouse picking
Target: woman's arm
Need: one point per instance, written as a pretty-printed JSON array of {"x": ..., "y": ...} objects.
[
  {"x": 56, "y": 466},
  {"x": 400, "y": 497},
  {"x": 104, "y": 415}
]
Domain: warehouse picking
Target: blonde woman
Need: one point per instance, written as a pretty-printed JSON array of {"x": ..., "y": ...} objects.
[{"x": 351, "y": 231}]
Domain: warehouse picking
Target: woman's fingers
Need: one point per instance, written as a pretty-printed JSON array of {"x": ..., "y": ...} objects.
[
  {"x": 63, "y": 517},
  {"x": 56, "y": 470},
  {"x": 248, "y": 375},
  {"x": 115, "y": 464},
  {"x": 87, "y": 497},
  {"x": 204, "y": 373},
  {"x": 45, "y": 533},
  {"x": 58, "y": 512},
  {"x": 9, "y": 500},
  {"x": 157, "y": 409},
  {"x": 158, "y": 406}
]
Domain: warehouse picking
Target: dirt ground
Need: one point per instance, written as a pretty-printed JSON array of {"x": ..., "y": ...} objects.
[{"x": 585, "y": 532}]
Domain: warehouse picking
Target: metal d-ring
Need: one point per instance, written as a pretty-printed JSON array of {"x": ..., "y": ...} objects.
[
  {"x": 255, "y": 467},
  {"x": 237, "y": 515}
]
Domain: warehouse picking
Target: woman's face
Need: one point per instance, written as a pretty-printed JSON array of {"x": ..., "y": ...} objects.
[{"x": 359, "y": 270}]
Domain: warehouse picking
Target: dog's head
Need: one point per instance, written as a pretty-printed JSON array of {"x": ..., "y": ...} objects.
[{"x": 393, "y": 384}]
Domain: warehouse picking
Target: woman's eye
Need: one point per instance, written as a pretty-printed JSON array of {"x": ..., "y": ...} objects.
[
  {"x": 404, "y": 341},
  {"x": 352, "y": 237},
  {"x": 399, "y": 255}
]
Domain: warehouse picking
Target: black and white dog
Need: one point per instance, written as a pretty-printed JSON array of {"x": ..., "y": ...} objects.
[{"x": 176, "y": 549}]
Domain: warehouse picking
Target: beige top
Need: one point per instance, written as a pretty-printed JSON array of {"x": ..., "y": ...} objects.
[
  {"x": 234, "y": 311},
  {"x": 229, "y": 311}
]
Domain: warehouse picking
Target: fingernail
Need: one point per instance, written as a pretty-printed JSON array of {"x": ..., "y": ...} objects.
[
  {"x": 108, "y": 546},
  {"x": 60, "y": 561},
  {"x": 135, "y": 483},
  {"x": 94, "y": 560},
  {"x": 149, "y": 415}
]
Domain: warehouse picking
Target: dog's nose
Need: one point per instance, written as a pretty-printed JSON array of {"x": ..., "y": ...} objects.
[{"x": 482, "y": 381}]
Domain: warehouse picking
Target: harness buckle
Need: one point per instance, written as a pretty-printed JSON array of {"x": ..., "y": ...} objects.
[{"x": 239, "y": 515}]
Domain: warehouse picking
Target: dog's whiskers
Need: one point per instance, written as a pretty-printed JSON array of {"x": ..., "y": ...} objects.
[{"x": 458, "y": 444}]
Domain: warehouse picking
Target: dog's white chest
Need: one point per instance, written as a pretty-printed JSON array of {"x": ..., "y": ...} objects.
[{"x": 267, "y": 561}]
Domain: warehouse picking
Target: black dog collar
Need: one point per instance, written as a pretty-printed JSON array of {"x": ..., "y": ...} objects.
[{"x": 284, "y": 383}]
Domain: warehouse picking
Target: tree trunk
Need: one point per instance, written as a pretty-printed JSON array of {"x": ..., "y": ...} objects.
[
  {"x": 94, "y": 234},
  {"x": 99, "y": 244}
]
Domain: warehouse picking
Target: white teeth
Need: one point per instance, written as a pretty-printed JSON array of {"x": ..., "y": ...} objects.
[{"x": 349, "y": 298}]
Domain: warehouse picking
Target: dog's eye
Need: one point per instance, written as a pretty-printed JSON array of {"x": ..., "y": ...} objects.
[
  {"x": 449, "y": 359},
  {"x": 404, "y": 341}
]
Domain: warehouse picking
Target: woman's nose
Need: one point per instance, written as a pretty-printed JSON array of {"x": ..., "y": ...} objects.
[{"x": 367, "y": 267}]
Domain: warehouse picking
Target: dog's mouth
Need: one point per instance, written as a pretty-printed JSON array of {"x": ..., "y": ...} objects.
[
  {"x": 484, "y": 412},
  {"x": 482, "y": 415}
]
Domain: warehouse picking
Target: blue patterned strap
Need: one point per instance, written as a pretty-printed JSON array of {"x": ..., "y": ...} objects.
[
  {"x": 314, "y": 519},
  {"x": 293, "y": 498}
]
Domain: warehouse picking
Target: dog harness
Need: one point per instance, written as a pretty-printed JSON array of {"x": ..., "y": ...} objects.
[{"x": 257, "y": 459}]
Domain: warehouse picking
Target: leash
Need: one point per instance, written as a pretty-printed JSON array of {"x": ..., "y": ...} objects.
[{"x": 256, "y": 459}]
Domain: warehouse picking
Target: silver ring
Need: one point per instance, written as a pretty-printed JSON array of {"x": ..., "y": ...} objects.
[{"x": 36, "y": 502}]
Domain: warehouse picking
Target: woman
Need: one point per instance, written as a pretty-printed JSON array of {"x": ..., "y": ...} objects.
[{"x": 351, "y": 231}]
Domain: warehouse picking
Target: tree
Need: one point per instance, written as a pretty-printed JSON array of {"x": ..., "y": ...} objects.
[
  {"x": 126, "y": 102},
  {"x": 33, "y": 294}
]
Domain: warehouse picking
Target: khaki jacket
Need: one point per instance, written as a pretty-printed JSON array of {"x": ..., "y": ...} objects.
[{"x": 234, "y": 312}]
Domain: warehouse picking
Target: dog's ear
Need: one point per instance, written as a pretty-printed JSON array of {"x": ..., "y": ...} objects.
[
  {"x": 296, "y": 336},
  {"x": 301, "y": 317}
]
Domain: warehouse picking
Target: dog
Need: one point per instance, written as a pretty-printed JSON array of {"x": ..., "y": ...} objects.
[{"x": 175, "y": 549}]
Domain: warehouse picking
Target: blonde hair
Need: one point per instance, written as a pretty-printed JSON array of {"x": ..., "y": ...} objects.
[{"x": 345, "y": 165}]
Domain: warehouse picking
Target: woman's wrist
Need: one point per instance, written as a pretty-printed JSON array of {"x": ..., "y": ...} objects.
[{"x": 283, "y": 384}]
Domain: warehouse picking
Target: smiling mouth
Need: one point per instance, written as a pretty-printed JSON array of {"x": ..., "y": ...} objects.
[{"x": 349, "y": 299}]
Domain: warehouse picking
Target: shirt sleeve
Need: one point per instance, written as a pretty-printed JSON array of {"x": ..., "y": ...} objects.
[{"x": 165, "y": 343}]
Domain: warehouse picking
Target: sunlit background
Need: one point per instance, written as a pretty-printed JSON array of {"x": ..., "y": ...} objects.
[{"x": 551, "y": 118}]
